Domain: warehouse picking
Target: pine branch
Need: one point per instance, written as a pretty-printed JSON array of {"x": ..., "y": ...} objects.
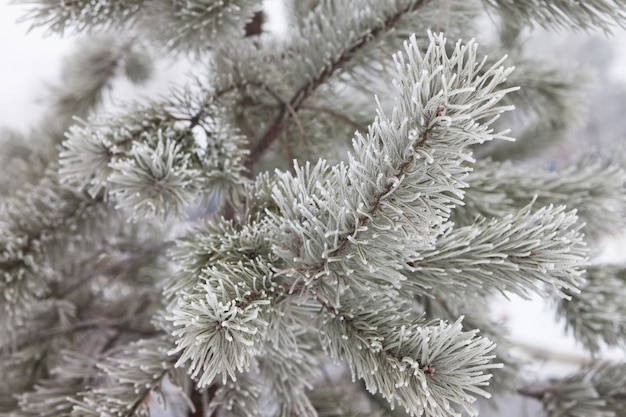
[
  {"x": 370, "y": 261},
  {"x": 153, "y": 164},
  {"x": 232, "y": 315},
  {"x": 23, "y": 163},
  {"x": 415, "y": 361},
  {"x": 595, "y": 187},
  {"x": 439, "y": 306},
  {"x": 196, "y": 26},
  {"x": 172, "y": 25},
  {"x": 340, "y": 398},
  {"x": 515, "y": 254},
  {"x": 596, "y": 316},
  {"x": 231, "y": 327},
  {"x": 42, "y": 219},
  {"x": 558, "y": 14},
  {"x": 339, "y": 219},
  {"x": 597, "y": 390},
  {"x": 49, "y": 397},
  {"x": 134, "y": 382},
  {"x": 239, "y": 399},
  {"x": 276, "y": 126},
  {"x": 91, "y": 70},
  {"x": 75, "y": 328},
  {"x": 82, "y": 15}
]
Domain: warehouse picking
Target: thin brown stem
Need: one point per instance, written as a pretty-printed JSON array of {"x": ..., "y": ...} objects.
[
  {"x": 201, "y": 398},
  {"x": 198, "y": 404},
  {"x": 295, "y": 117},
  {"x": 532, "y": 391},
  {"x": 142, "y": 401},
  {"x": 335, "y": 114},
  {"x": 291, "y": 110},
  {"x": 255, "y": 26}
]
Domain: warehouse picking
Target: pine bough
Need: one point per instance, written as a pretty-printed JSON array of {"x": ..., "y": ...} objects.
[
  {"x": 346, "y": 236},
  {"x": 371, "y": 262}
]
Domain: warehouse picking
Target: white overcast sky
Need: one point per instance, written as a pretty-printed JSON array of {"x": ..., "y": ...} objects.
[{"x": 28, "y": 61}]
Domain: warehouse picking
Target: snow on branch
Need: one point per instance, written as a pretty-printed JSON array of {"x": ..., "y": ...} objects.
[
  {"x": 136, "y": 372},
  {"x": 597, "y": 314},
  {"x": 172, "y": 24},
  {"x": 38, "y": 222},
  {"x": 315, "y": 57},
  {"x": 562, "y": 13},
  {"x": 240, "y": 398},
  {"x": 88, "y": 74},
  {"x": 328, "y": 237},
  {"x": 397, "y": 192},
  {"x": 591, "y": 185},
  {"x": 221, "y": 322},
  {"x": 195, "y": 26},
  {"x": 428, "y": 368},
  {"x": 156, "y": 161},
  {"x": 597, "y": 390},
  {"x": 352, "y": 32},
  {"x": 82, "y": 15},
  {"x": 513, "y": 254}
]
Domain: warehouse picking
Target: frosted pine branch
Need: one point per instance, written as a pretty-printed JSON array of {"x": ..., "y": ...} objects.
[
  {"x": 295, "y": 250},
  {"x": 133, "y": 382},
  {"x": 325, "y": 60},
  {"x": 172, "y": 25},
  {"x": 157, "y": 166},
  {"x": 36, "y": 223},
  {"x": 221, "y": 336},
  {"x": 83, "y": 14},
  {"x": 367, "y": 213},
  {"x": 562, "y": 13},
  {"x": 595, "y": 314},
  {"x": 596, "y": 390},
  {"x": 514, "y": 254},
  {"x": 429, "y": 369},
  {"x": 196, "y": 26},
  {"x": 593, "y": 186}
]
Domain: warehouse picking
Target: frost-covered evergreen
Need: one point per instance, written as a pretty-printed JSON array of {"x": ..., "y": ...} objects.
[{"x": 315, "y": 223}]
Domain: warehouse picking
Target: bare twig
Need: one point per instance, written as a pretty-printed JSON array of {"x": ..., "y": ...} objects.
[
  {"x": 536, "y": 392},
  {"x": 336, "y": 115}
]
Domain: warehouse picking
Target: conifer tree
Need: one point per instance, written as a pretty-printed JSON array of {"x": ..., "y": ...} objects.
[{"x": 314, "y": 224}]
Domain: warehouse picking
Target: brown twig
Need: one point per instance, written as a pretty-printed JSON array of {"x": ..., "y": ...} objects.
[
  {"x": 532, "y": 391},
  {"x": 142, "y": 401},
  {"x": 336, "y": 115},
  {"x": 255, "y": 26}
]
